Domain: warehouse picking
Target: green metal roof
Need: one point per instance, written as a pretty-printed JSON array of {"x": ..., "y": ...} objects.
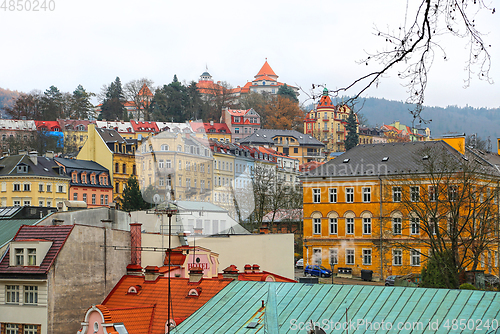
[
  {"x": 295, "y": 305},
  {"x": 9, "y": 228}
]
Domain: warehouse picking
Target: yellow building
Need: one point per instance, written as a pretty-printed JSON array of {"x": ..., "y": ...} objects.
[
  {"x": 294, "y": 144},
  {"x": 31, "y": 180},
  {"x": 177, "y": 161},
  {"x": 109, "y": 149},
  {"x": 327, "y": 123},
  {"x": 75, "y": 133},
  {"x": 369, "y": 208}
]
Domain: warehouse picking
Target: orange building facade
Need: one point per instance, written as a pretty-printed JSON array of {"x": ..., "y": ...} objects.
[{"x": 355, "y": 214}]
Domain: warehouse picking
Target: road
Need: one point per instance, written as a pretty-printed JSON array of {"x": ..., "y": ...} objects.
[{"x": 337, "y": 280}]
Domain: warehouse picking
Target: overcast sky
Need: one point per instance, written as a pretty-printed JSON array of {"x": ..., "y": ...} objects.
[{"x": 305, "y": 42}]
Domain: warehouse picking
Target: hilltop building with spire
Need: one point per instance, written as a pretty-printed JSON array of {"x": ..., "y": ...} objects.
[{"x": 265, "y": 81}]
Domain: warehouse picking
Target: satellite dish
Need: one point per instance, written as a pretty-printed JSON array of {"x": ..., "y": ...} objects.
[{"x": 156, "y": 199}]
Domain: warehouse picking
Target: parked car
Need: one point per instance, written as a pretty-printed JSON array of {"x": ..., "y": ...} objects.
[
  {"x": 389, "y": 281},
  {"x": 316, "y": 270},
  {"x": 299, "y": 263}
]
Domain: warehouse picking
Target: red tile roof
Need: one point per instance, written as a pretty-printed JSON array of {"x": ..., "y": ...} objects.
[
  {"x": 238, "y": 112},
  {"x": 266, "y": 70},
  {"x": 154, "y": 295},
  {"x": 214, "y": 128},
  {"x": 48, "y": 125},
  {"x": 57, "y": 234},
  {"x": 144, "y": 126},
  {"x": 264, "y": 77},
  {"x": 145, "y": 91},
  {"x": 325, "y": 102}
]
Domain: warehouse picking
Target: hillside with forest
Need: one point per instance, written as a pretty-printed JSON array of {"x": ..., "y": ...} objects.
[{"x": 452, "y": 119}]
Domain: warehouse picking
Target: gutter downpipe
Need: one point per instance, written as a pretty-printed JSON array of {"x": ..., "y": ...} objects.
[{"x": 381, "y": 229}]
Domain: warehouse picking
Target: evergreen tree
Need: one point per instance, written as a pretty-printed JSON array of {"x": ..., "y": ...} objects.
[
  {"x": 132, "y": 197},
  {"x": 113, "y": 105},
  {"x": 288, "y": 92},
  {"x": 440, "y": 273},
  {"x": 352, "y": 138},
  {"x": 169, "y": 102},
  {"x": 80, "y": 104},
  {"x": 52, "y": 104}
]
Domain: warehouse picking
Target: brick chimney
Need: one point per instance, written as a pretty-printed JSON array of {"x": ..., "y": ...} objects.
[
  {"x": 135, "y": 249},
  {"x": 195, "y": 274},
  {"x": 248, "y": 268},
  {"x": 231, "y": 272},
  {"x": 256, "y": 268}
]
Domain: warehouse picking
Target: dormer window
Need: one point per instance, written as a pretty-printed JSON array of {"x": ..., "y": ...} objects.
[
  {"x": 61, "y": 170},
  {"x": 22, "y": 169}
]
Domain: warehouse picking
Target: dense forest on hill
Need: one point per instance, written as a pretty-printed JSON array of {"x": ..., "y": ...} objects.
[{"x": 452, "y": 119}]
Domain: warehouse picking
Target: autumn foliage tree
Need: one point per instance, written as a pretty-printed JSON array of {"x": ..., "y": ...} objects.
[{"x": 282, "y": 113}]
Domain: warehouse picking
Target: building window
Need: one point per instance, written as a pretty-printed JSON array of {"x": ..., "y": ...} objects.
[
  {"x": 40, "y": 203},
  {"x": 333, "y": 226},
  {"x": 332, "y": 194},
  {"x": 40, "y": 187},
  {"x": 17, "y": 203},
  {"x": 415, "y": 257},
  {"x": 415, "y": 194},
  {"x": 317, "y": 257},
  {"x": 19, "y": 256},
  {"x": 397, "y": 257},
  {"x": 75, "y": 196},
  {"x": 117, "y": 187},
  {"x": 117, "y": 167},
  {"x": 334, "y": 257},
  {"x": 452, "y": 193},
  {"x": 317, "y": 225},
  {"x": 349, "y": 195},
  {"x": 30, "y": 294},
  {"x": 432, "y": 193},
  {"x": 106, "y": 199},
  {"x": 26, "y": 203},
  {"x": 349, "y": 225},
  {"x": 396, "y": 225},
  {"x": 367, "y": 195},
  {"x": 84, "y": 198},
  {"x": 414, "y": 225},
  {"x": 396, "y": 194},
  {"x": 31, "y": 256},
  {"x": 124, "y": 168},
  {"x": 30, "y": 329},
  {"x": 367, "y": 257},
  {"x": 236, "y": 130},
  {"x": 349, "y": 256},
  {"x": 316, "y": 195},
  {"x": 93, "y": 199},
  {"x": 60, "y": 189},
  {"x": 367, "y": 226},
  {"x": 12, "y": 294},
  {"x": 102, "y": 199},
  {"x": 49, "y": 188},
  {"x": 433, "y": 226},
  {"x": 17, "y": 187}
]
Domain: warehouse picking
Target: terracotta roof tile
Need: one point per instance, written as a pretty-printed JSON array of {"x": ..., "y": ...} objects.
[
  {"x": 266, "y": 70},
  {"x": 145, "y": 91},
  {"x": 154, "y": 294}
]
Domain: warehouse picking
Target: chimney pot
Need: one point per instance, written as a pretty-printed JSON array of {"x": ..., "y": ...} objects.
[{"x": 135, "y": 244}]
